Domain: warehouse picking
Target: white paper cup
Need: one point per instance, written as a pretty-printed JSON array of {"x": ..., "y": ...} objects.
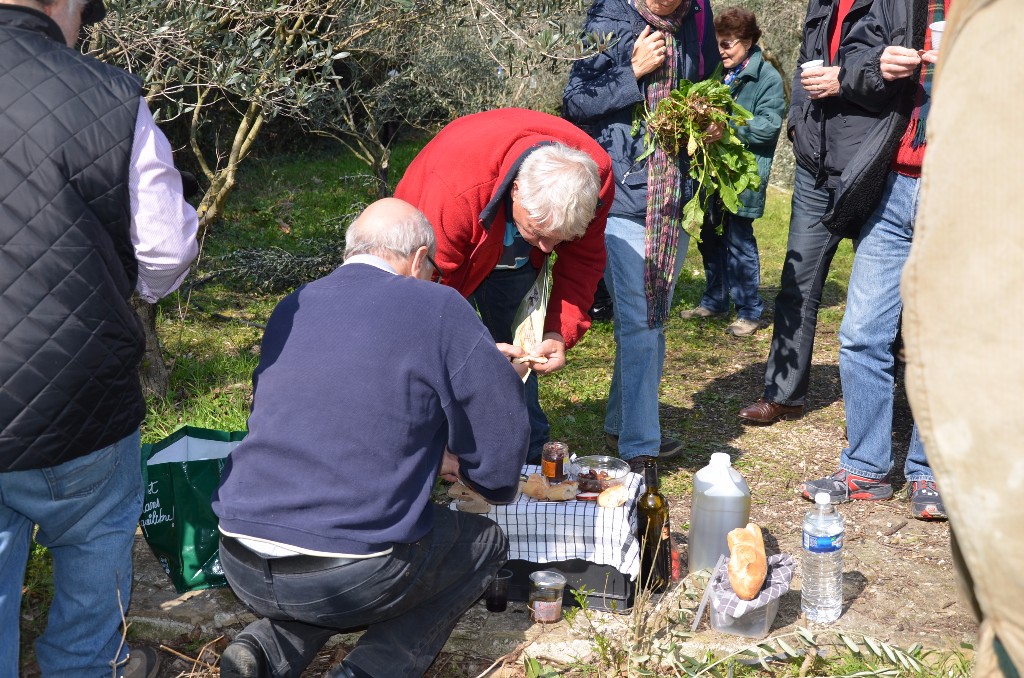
[
  {"x": 816, "y": 63},
  {"x": 936, "y": 29}
]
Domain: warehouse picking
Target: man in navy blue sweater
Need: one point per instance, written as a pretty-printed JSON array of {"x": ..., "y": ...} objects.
[{"x": 366, "y": 376}]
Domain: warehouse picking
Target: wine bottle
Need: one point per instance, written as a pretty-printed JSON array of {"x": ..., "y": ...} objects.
[{"x": 653, "y": 533}]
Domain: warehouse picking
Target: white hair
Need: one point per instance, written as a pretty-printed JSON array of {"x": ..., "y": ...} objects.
[
  {"x": 559, "y": 188},
  {"x": 397, "y": 239}
]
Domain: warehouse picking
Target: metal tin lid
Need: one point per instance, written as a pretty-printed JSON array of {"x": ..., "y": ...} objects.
[{"x": 547, "y": 579}]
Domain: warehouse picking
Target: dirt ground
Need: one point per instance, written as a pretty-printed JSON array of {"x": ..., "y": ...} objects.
[{"x": 899, "y": 582}]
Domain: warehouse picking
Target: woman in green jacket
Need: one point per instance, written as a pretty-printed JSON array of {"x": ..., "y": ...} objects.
[{"x": 731, "y": 263}]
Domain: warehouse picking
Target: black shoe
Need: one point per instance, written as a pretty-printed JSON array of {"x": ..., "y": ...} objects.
[
  {"x": 601, "y": 313},
  {"x": 925, "y": 500},
  {"x": 670, "y": 447},
  {"x": 346, "y": 670},
  {"x": 243, "y": 658},
  {"x": 636, "y": 464},
  {"x": 143, "y": 662}
]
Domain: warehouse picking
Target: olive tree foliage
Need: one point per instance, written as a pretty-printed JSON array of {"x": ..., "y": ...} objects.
[{"x": 351, "y": 69}]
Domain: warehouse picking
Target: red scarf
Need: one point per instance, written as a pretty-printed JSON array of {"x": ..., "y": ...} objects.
[{"x": 910, "y": 154}]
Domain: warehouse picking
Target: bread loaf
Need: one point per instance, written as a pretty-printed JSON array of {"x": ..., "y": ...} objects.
[
  {"x": 563, "y": 491},
  {"x": 536, "y": 486},
  {"x": 748, "y": 564},
  {"x": 613, "y": 497}
]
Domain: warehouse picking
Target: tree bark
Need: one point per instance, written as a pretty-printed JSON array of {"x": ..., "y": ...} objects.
[{"x": 152, "y": 371}]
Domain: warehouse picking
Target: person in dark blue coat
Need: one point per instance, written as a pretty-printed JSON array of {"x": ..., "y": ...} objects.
[
  {"x": 657, "y": 44},
  {"x": 372, "y": 381}
]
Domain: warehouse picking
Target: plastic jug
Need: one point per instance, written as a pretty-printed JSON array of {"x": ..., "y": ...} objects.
[{"x": 721, "y": 502}]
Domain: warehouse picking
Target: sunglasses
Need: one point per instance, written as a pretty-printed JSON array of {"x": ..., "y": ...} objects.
[
  {"x": 437, "y": 269},
  {"x": 727, "y": 44}
]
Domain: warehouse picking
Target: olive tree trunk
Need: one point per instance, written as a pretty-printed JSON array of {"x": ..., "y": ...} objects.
[{"x": 152, "y": 371}]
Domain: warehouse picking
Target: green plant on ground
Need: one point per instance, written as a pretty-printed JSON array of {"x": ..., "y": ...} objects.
[{"x": 290, "y": 200}]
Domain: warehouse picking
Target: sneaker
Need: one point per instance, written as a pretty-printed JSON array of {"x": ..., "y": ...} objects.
[
  {"x": 243, "y": 658},
  {"x": 743, "y": 327},
  {"x": 925, "y": 500},
  {"x": 143, "y": 662},
  {"x": 842, "y": 486},
  {"x": 670, "y": 447},
  {"x": 601, "y": 312},
  {"x": 701, "y": 312}
]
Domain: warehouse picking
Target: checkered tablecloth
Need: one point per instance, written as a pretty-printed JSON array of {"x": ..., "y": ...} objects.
[
  {"x": 780, "y": 574},
  {"x": 549, "y": 531}
]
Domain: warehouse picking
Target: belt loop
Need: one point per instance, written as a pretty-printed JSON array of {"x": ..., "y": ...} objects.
[{"x": 268, "y": 577}]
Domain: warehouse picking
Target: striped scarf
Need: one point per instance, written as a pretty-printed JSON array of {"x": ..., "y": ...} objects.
[
  {"x": 919, "y": 118},
  {"x": 664, "y": 180}
]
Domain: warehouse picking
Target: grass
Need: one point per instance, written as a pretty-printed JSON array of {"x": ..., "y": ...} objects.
[{"x": 211, "y": 333}]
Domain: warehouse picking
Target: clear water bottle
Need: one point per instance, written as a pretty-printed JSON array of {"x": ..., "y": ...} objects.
[
  {"x": 821, "y": 598},
  {"x": 721, "y": 502}
]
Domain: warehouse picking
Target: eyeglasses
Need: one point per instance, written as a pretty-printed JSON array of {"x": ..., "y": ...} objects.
[
  {"x": 727, "y": 44},
  {"x": 437, "y": 269}
]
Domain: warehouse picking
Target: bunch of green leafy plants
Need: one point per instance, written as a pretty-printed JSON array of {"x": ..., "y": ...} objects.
[{"x": 680, "y": 122}]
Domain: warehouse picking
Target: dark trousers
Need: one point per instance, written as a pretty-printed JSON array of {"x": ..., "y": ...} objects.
[
  {"x": 498, "y": 298},
  {"x": 409, "y": 600},
  {"x": 809, "y": 254},
  {"x": 732, "y": 267}
]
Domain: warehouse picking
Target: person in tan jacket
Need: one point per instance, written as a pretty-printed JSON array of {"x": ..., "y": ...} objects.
[{"x": 964, "y": 318}]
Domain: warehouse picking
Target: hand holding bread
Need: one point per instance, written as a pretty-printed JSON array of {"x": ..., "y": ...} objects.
[{"x": 748, "y": 565}]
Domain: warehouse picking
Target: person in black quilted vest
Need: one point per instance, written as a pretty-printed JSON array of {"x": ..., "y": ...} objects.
[{"x": 91, "y": 210}]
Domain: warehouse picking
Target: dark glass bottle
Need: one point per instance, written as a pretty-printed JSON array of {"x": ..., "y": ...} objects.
[{"x": 653, "y": 533}]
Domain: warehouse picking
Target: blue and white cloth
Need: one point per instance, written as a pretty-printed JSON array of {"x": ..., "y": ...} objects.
[
  {"x": 725, "y": 600},
  {"x": 550, "y": 531}
]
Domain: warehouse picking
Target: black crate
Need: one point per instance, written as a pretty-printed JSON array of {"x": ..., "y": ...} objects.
[{"x": 610, "y": 589}]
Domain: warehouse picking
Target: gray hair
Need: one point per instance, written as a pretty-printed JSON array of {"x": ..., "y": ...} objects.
[
  {"x": 559, "y": 188},
  {"x": 396, "y": 239}
]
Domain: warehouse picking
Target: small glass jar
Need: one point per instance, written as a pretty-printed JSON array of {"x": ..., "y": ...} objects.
[
  {"x": 553, "y": 458},
  {"x": 546, "y": 589}
]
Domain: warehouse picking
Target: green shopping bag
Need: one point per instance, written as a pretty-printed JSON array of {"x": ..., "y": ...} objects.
[{"x": 181, "y": 472}]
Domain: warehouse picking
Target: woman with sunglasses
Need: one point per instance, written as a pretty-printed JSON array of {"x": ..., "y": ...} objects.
[{"x": 732, "y": 265}]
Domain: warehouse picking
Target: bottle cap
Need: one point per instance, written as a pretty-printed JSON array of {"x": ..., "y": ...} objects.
[
  {"x": 822, "y": 498},
  {"x": 720, "y": 459}
]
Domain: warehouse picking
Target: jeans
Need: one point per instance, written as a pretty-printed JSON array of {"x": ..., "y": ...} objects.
[
  {"x": 410, "y": 599},
  {"x": 732, "y": 268},
  {"x": 866, "y": 362},
  {"x": 497, "y": 299},
  {"x": 809, "y": 254},
  {"x": 632, "y": 412},
  {"x": 87, "y": 510}
]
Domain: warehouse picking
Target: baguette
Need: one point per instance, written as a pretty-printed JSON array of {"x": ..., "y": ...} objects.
[
  {"x": 613, "y": 497},
  {"x": 562, "y": 491},
  {"x": 748, "y": 565},
  {"x": 536, "y": 486}
]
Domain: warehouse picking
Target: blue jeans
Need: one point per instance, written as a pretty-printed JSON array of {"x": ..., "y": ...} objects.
[
  {"x": 87, "y": 510},
  {"x": 497, "y": 299},
  {"x": 632, "y": 412},
  {"x": 866, "y": 362},
  {"x": 809, "y": 254},
  {"x": 732, "y": 268},
  {"x": 409, "y": 600}
]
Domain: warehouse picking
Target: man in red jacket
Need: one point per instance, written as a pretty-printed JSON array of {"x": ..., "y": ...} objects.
[{"x": 503, "y": 189}]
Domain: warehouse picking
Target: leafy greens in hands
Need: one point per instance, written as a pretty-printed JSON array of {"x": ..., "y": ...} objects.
[{"x": 680, "y": 121}]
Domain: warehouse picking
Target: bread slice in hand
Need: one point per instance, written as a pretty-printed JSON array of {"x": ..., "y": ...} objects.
[{"x": 748, "y": 565}]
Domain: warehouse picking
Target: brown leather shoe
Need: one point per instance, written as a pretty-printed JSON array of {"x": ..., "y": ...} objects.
[{"x": 767, "y": 412}]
